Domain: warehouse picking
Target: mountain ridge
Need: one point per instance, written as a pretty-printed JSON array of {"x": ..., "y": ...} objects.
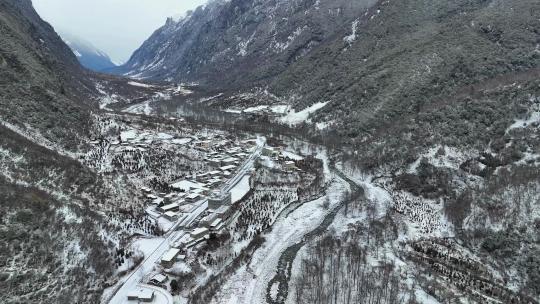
[
  {"x": 242, "y": 41},
  {"x": 88, "y": 55}
]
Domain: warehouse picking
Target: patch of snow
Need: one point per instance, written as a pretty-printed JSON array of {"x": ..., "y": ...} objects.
[
  {"x": 352, "y": 37},
  {"x": 255, "y": 109},
  {"x": 450, "y": 158},
  {"x": 534, "y": 118},
  {"x": 423, "y": 297},
  {"x": 235, "y": 111},
  {"x": 267, "y": 162},
  {"x": 181, "y": 141},
  {"x": 280, "y": 109},
  {"x": 140, "y": 108},
  {"x": 138, "y": 84},
  {"x": 210, "y": 98},
  {"x": 274, "y": 290},
  {"x": 187, "y": 185},
  {"x": 243, "y": 45},
  {"x": 295, "y": 118},
  {"x": 241, "y": 189},
  {"x": 183, "y": 90},
  {"x": 282, "y": 46},
  {"x": 322, "y": 125},
  {"x": 292, "y": 155},
  {"x": 128, "y": 135},
  {"x": 69, "y": 216},
  {"x": 164, "y": 136},
  {"x": 146, "y": 245},
  {"x": 164, "y": 224}
]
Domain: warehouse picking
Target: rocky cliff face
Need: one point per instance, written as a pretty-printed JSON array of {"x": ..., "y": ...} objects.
[{"x": 238, "y": 43}]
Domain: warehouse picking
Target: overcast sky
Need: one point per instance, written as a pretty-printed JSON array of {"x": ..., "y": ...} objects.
[{"x": 117, "y": 27}]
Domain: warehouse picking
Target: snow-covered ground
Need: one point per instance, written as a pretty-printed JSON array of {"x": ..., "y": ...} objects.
[
  {"x": 141, "y": 85},
  {"x": 533, "y": 118},
  {"x": 240, "y": 189},
  {"x": 182, "y": 90},
  {"x": 292, "y": 155},
  {"x": 140, "y": 108},
  {"x": 106, "y": 99},
  {"x": 295, "y": 118},
  {"x": 248, "y": 284},
  {"x": 277, "y": 109},
  {"x": 145, "y": 107},
  {"x": 443, "y": 156}
]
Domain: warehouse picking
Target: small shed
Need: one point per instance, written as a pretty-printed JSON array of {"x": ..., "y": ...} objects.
[{"x": 158, "y": 279}]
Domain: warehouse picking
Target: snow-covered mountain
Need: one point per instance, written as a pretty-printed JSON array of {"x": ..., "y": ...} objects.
[
  {"x": 231, "y": 43},
  {"x": 88, "y": 55}
]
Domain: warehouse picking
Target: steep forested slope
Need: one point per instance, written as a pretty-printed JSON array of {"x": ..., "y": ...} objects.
[
  {"x": 42, "y": 84},
  {"x": 55, "y": 243},
  {"x": 412, "y": 58},
  {"x": 231, "y": 44}
]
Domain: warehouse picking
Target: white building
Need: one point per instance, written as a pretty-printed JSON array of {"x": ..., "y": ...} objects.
[
  {"x": 158, "y": 279},
  {"x": 169, "y": 207},
  {"x": 170, "y": 215},
  {"x": 219, "y": 199},
  {"x": 217, "y": 225},
  {"x": 193, "y": 197},
  {"x": 141, "y": 295},
  {"x": 169, "y": 258},
  {"x": 198, "y": 233}
]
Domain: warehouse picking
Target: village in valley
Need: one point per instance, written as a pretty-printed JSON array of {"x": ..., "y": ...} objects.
[{"x": 197, "y": 189}]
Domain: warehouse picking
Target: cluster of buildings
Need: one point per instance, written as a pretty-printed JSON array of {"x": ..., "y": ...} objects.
[
  {"x": 219, "y": 210},
  {"x": 202, "y": 204},
  {"x": 213, "y": 221},
  {"x": 202, "y": 191},
  {"x": 187, "y": 195},
  {"x": 284, "y": 159}
]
